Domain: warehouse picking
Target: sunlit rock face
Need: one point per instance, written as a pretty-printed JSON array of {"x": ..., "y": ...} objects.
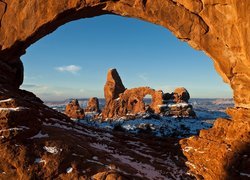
[
  {"x": 93, "y": 105},
  {"x": 219, "y": 28},
  {"x": 73, "y": 110},
  {"x": 112, "y": 89}
]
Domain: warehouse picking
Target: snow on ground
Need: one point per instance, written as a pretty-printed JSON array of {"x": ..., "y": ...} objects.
[
  {"x": 69, "y": 170},
  {"x": 40, "y": 135},
  {"x": 13, "y": 109},
  {"x": 6, "y": 100},
  {"x": 166, "y": 126},
  {"x": 245, "y": 174},
  {"x": 143, "y": 168},
  {"x": 207, "y": 110},
  {"x": 52, "y": 150},
  {"x": 39, "y": 160},
  {"x": 19, "y": 128}
]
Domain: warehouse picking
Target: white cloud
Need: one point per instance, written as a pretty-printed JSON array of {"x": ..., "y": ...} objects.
[{"x": 71, "y": 68}]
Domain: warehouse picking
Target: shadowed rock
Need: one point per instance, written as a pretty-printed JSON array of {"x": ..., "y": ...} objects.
[
  {"x": 181, "y": 95},
  {"x": 93, "y": 105}
]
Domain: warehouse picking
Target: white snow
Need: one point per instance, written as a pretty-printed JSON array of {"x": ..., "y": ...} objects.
[
  {"x": 52, "y": 150},
  {"x": 144, "y": 170},
  {"x": 19, "y": 128},
  {"x": 69, "y": 170},
  {"x": 245, "y": 174},
  {"x": 40, "y": 135},
  {"x": 96, "y": 162},
  {"x": 74, "y": 154},
  {"x": 102, "y": 147},
  {"x": 39, "y": 160},
  {"x": 6, "y": 100},
  {"x": 178, "y": 105},
  {"x": 13, "y": 109},
  {"x": 162, "y": 105}
]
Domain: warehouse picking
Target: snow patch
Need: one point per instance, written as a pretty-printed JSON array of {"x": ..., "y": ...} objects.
[
  {"x": 19, "y": 128},
  {"x": 69, "y": 170},
  {"x": 245, "y": 174},
  {"x": 14, "y": 109},
  {"x": 178, "y": 105},
  {"x": 6, "y": 100},
  {"x": 39, "y": 160},
  {"x": 52, "y": 150},
  {"x": 40, "y": 135}
]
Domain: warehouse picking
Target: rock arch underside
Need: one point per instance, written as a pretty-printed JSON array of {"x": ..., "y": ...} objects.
[{"x": 220, "y": 28}]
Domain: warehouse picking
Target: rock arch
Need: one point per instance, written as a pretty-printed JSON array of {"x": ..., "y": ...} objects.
[
  {"x": 134, "y": 99},
  {"x": 219, "y": 28}
]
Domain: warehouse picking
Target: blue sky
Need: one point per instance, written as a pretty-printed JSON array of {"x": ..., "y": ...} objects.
[{"x": 72, "y": 62}]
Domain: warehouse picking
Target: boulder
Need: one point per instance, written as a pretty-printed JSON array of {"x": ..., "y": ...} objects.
[
  {"x": 93, "y": 105},
  {"x": 74, "y": 111},
  {"x": 181, "y": 95}
]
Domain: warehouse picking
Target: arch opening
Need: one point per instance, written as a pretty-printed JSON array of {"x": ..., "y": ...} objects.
[
  {"x": 71, "y": 73},
  {"x": 24, "y": 22}
]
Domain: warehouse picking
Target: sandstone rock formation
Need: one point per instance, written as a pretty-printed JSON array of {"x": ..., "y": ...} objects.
[
  {"x": 230, "y": 156},
  {"x": 130, "y": 103},
  {"x": 219, "y": 28},
  {"x": 37, "y": 142},
  {"x": 112, "y": 89},
  {"x": 113, "y": 86},
  {"x": 93, "y": 105},
  {"x": 74, "y": 111},
  {"x": 181, "y": 95}
]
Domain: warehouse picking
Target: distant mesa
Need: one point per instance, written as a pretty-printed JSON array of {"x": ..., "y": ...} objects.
[
  {"x": 130, "y": 103},
  {"x": 74, "y": 111}
]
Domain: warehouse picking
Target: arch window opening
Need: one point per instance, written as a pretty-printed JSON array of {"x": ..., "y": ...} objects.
[{"x": 72, "y": 63}]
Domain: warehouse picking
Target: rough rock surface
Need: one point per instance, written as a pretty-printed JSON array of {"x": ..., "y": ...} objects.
[
  {"x": 228, "y": 143},
  {"x": 181, "y": 95},
  {"x": 113, "y": 86},
  {"x": 74, "y": 110},
  {"x": 218, "y": 27},
  {"x": 206, "y": 25},
  {"x": 92, "y": 105},
  {"x": 37, "y": 142},
  {"x": 112, "y": 89},
  {"x": 131, "y": 102}
]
